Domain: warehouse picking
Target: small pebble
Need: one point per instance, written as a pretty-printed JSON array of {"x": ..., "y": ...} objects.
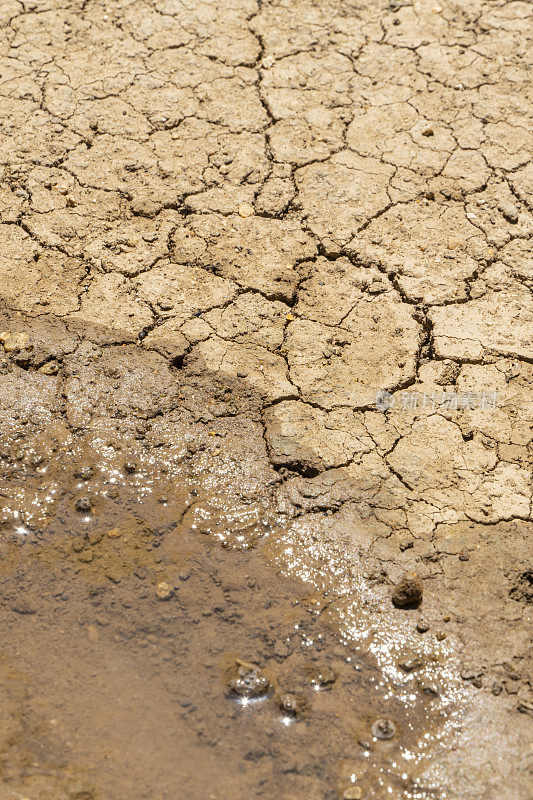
[
  {"x": 83, "y": 504},
  {"x": 14, "y": 341},
  {"x": 164, "y": 591},
  {"x": 469, "y": 673},
  {"x": 353, "y": 793},
  {"x": 422, "y": 626},
  {"x": 246, "y": 210},
  {"x": 410, "y": 662},
  {"x": 130, "y": 466}
]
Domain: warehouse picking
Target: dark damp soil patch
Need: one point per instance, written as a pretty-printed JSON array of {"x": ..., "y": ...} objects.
[{"x": 134, "y": 643}]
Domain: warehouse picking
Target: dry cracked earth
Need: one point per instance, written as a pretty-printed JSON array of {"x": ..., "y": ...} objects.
[{"x": 265, "y": 275}]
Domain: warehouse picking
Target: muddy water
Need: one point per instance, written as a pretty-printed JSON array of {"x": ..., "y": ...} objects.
[{"x": 166, "y": 634}]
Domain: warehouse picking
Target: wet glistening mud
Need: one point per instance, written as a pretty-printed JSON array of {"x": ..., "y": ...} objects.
[
  {"x": 182, "y": 620},
  {"x": 153, "y": 647},
  {"x": 171, "y": 630}
]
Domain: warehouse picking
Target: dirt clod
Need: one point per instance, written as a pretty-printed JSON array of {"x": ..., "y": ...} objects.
[
  {"x": 24, "y": 606},
  {"x": 410, "y": 662},
  {"x": 249, "y": 681},
  {"x": 408, "y": 591},
  {"x": 525, "y": 707},
  {"x": 292, "y": 704},
  {"x": 323, "y": 676}
]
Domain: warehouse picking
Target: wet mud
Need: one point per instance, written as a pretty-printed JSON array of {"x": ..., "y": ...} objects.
[
  {"x": 143, "y": 657},
  {"x": 169, "y": 627},
  {"x": 152, "y": 644}
]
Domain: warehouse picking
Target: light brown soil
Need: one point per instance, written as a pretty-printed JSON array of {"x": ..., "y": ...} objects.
[{"x": 277, "y": 253}]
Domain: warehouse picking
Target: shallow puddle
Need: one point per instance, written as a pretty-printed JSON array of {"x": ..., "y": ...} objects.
[{"x": 167, "y": 634}]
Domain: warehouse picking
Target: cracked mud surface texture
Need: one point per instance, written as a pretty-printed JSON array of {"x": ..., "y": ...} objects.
[{"x": 288, "y": 207}]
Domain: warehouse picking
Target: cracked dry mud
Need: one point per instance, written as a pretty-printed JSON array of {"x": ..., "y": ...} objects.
[{"x": 266, "y": 344}]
